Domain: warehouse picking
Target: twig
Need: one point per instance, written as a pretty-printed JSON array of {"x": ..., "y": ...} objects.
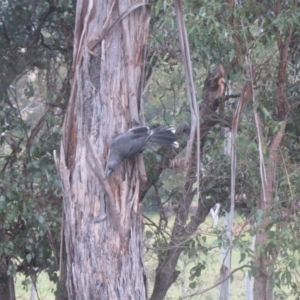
[
  {"x": 216, "y": 284},
  {"x": 227, "y": 97},
  {"x": 158, "y": 228}
]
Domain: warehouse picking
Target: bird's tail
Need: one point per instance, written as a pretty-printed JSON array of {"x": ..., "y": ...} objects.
[{"x": 164, "y": 136}]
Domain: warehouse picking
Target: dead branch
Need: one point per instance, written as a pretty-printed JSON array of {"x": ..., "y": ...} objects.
[
  {"x": 218, "y": 283},
  {"x": 98, "y": 171}
]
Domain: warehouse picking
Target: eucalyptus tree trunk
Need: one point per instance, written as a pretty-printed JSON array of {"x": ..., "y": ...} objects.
[
  {"x": 266, "y": 258},
  {"x": 248, "y": 277},
  {"x": 103, "y": 231},
  {"x": 225, "y": 260},
  {"x": 7, "y": 286},
  {"x": 227, "y": 242}
]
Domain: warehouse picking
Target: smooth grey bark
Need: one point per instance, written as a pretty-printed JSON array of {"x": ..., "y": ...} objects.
[{"x": 225, "y": 260}]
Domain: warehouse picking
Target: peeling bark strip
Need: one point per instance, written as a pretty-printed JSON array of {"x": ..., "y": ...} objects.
[
  {"x": 187, "y": 62},
  {"x": 104, "y": 261}
]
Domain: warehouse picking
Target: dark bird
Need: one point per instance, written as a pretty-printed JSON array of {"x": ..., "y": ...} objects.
[{"x": 135, "y": 141}]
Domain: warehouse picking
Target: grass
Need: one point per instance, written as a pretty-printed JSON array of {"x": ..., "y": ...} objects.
[{"x": 45, "y": 288}]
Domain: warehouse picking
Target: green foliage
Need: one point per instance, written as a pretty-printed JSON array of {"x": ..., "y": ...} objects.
[
  {"x": 30, "y": 207},
  {"x": 196, "y": 272},
  {"x": 215, "y": 38},
  {"x": 35, "y": 51},
  {"x": 36, "y": 39}
]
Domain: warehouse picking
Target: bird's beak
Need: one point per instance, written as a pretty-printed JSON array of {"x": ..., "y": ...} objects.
[{"x": 107, "y": 173}]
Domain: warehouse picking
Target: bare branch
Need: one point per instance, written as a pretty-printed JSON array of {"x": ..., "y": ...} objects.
[
  {"x": 218, "y": 283},
  {"x": 100, "y": 175}
]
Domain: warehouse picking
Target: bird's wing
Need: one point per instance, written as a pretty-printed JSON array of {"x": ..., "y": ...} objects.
[{"x": 144, "y": 130}]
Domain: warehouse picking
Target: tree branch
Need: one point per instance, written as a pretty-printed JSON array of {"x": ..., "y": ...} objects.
[
  {"x": 218, "y": 283},
  {"x": 98, "y": 171}
]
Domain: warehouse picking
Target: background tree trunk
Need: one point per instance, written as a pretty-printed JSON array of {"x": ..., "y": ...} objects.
[
  {"x": 226, "y": 248},
  {"x": 103, "y": 235},
  {"x": 225, "y": 260},
  {"x": 7, "y": 287},
  {"x": 266, "y": 258}
]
